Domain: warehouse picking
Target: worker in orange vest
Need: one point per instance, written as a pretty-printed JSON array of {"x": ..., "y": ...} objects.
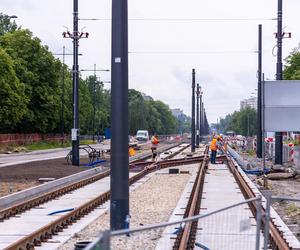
[
  {"x": 154, "y": 142},
  {"x": 213, "y": 149}
]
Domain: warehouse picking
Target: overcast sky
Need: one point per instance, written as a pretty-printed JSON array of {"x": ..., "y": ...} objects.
[{"x": 221, "y": 51}]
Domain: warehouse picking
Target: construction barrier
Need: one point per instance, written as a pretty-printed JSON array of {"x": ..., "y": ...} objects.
[{"x": 291, "y": 152}]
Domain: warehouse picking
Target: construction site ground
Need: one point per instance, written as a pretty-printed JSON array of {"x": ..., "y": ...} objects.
[
  {"x": 18, "y": 177},
  {"x": 288, "y": 211},
  {"x": 14, "y": 178}
]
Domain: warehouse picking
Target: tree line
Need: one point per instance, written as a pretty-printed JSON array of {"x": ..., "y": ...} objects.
[
  {"x": 31, "y": 93},
  {"x": 242, "y": 122}
]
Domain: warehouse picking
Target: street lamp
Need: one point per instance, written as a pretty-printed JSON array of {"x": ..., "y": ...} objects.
[
  {"x": 12, "y": 16},
  {"x": 75, "y": 36}
]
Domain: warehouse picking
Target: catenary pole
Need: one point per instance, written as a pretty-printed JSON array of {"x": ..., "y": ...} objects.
[
  {"x": 259, "y": 114},
  {"x": 278, "y": 135},
  {"x": 197, "y": 116},
  {"x": 193, "y": 111},
  {"x": 119, "y": 183},
  {"x": 201, "y": 117},
  {"x": 75, "y": 132}
]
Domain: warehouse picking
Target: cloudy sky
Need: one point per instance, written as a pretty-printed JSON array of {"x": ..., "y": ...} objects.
[{"x": 163, "y": 52}]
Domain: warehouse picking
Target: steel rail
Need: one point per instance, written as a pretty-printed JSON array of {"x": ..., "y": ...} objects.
[
  {"x": 186, "y": 238},
  {"x": 276, "y": 237},
  {"x": 21, "y": 207},
  {"x": 43, "y": 234}
]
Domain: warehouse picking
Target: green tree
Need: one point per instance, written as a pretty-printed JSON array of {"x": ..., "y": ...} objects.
[
  {"x": 12, "y": 98},
  {"x": 100, "y": 98},
  {"x": 243, "y": 122},
  {"x": 6, "y": 25},
  {"x": 138, "y": 111},
  {"x": 292, "y": 66},
  {"x": 36, "y": 67}
]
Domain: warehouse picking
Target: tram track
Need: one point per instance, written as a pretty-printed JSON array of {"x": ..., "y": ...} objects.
[
  {"x": 185, "y": 239},
  {"x": 48, "y": 230},
  {"x": 28, "y": 203}
]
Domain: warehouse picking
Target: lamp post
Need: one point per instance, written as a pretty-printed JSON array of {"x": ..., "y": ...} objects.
[
  {"x": 201, "y": 117},
  {"x": 75, "y": 130},
  {"x": 119, "y": 178},
  {"x": 278, "y": 135},
  {"x": 197, "y": 115},
  {"x": 75, "y": 36},
  {"x": 259, "y": 142},
  {"x": 193, "y": 112}
]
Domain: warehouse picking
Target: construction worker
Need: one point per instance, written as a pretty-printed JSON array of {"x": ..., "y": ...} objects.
[
  {"x": 213, "y": 148},
  {"x": 154, "y": 145}
]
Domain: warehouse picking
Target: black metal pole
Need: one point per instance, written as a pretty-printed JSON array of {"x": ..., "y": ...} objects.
[
  {"x": 193, "y": 112},
  {"x": 197, "y": 116},
  {"x": 278, "y": 135},
  {"x": 259, "y": 114},
  {"x": 119, "y": 117},
  {"x": 204, "y": 122},
  {"x": 201, "y": 118},
  {"x": 63, "y": 97},
  {"x": 94, "y": 101},
  {"x": 75, "y": 132}
]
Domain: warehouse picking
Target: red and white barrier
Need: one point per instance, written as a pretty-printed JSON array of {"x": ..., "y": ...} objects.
[{"x": 291, "y": 152}]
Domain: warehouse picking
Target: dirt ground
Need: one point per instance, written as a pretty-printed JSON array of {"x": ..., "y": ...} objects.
[
  {"x": 21, "y": 176},
  {"x": 18, "y": 177},
  {"x": 288, "y": 211}
]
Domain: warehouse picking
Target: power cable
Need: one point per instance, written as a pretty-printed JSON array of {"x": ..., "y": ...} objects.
[
  {"x": 195, "y": 52},
  {"x": 183, "y": 19}
]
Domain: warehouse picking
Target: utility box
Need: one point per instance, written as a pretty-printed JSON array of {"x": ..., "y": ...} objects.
[
  {"x": 173, "y": 171},
  {"x": 107, "y": 133}
]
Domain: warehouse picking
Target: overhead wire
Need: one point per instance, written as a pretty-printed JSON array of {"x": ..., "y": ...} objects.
[
  {"x": 196, "y": 52},
  {"x": 183, "y": 19}
]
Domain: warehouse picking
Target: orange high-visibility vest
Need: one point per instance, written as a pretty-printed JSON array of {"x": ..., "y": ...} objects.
[
  {"x": 154, "y": 140},
  {"x": 213, "y": 145}
]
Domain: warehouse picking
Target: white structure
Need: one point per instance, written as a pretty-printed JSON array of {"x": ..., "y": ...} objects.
[
  {"x": 250, "y": 102},
  {"x": 177, "y": 112}
]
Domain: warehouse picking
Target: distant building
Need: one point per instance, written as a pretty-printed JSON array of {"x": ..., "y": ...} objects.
[
  {"x": 249, "y": 103},
  {"x": 147, "y": 97},
  {"x": 177, "y": 112}
]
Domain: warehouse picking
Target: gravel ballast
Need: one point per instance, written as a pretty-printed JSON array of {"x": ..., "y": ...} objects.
[{"x": 152, "y": 202}]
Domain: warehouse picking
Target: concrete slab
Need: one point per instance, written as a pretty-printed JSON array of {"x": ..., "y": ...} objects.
[
  {"x": 224, "y": 230},
  {"x": 36, "y": 218}
]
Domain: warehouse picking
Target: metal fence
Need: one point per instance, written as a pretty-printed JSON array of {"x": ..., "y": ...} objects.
[
  {"x": 226, "y": 228},
  {"x": 287, "y": 234},
  {"x": 230, "y": 229}
]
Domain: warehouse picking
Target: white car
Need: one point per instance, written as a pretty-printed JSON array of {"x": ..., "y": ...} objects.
[{"x": 142, "y": 135}]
